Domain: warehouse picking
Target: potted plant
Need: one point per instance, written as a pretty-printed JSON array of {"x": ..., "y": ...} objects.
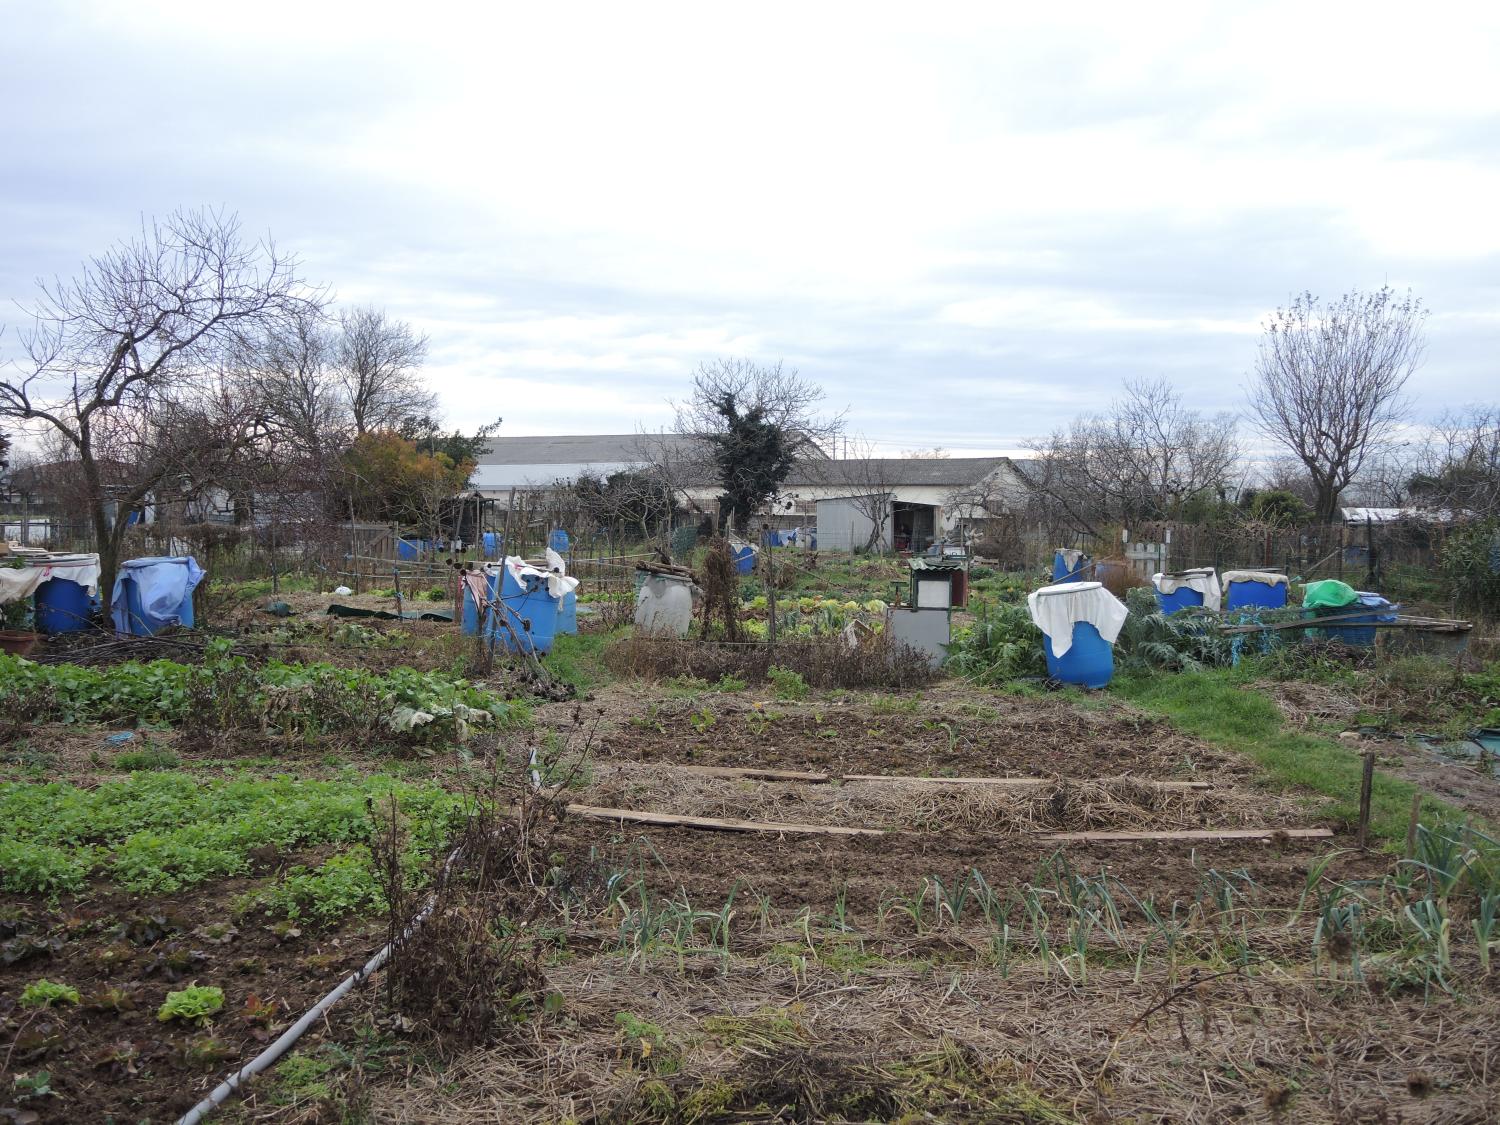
[{"x": 16, "y": 636}]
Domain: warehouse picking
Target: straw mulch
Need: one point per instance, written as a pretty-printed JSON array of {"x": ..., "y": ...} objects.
[
  {"x": 813, "y": 1044},
  {"x": 1056, "y": 805},
  {"x": 1310, "y": 705}
]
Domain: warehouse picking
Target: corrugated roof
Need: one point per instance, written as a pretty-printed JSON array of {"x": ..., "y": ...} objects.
[
  {"x": 878, "y": 472},
  {"x": 583, "y": 449}
]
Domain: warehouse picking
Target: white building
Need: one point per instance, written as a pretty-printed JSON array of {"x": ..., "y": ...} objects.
[
  {"x": 925, "y": 497},
  {"x": 907, "y": 503}
]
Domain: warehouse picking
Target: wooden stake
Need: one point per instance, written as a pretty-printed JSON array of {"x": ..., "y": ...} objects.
[
  {"x": 1411, "y": 823},
  {"x": 717, "y": 824},
  {"x": 1366, "y": 788}
]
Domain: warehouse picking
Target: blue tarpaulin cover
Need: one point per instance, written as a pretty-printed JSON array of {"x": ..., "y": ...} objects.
[{"x": 150, "y": 594}]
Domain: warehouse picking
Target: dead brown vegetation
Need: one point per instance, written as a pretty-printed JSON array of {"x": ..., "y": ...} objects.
[{"x": 823, "y": 663}]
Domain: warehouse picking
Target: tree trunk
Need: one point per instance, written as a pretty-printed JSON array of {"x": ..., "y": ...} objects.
[
  {"x": 104, "y": 535},
  {"x": 1328, "y": 504}
]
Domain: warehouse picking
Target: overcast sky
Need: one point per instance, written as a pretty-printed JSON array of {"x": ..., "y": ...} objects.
[{"x": 966, "y": 224}]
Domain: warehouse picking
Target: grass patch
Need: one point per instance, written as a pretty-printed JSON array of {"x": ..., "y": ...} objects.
[
  {"x": 1222, "y": 711},
  {"x": 577, "y": 658}
]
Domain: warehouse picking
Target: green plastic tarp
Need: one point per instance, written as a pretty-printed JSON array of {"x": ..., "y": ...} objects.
[{"x": 1329, "y": 594}]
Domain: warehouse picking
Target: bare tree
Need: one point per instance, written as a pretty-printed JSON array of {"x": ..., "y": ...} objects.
[
  {"x": 121, "y": 360},
  {"x": 758, "y": 421},
  {"x": 1141, "y": 461},
  {"x": 1459, "y": 468},
  {"x": 1330, "y": 379},
  {"x": 301, "y": 393},
  {"x": 378, "y": 361}
]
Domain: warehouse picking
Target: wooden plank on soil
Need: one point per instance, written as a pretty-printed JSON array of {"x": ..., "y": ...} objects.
[
  {"x": 1200, "y": 834},
  {"x": 637, "y": 816},
  {"x": 1014, "y": 782}
]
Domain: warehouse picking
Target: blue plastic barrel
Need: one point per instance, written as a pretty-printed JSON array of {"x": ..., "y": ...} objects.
[
  {"x": 531, "y": 615},
  {"x": 744, "y": 560},
  {"x": 1090, "y": 659},
  {"x": 1360, "y": 631},
  {"x": 491, "y": 544},
  {"x": 1250, "y": 593},
  {"x": 63, "y": 605},
  {"x": 567, "y": 614},
  {"x": 406, "y": 550},
  {"x": 1181, "y": 598},
  {"x": 558, "y": 541},
  {"x": 1089, "y": 662},
  {"x": 1060, "y": 570},
  {"x": 145, "y": 620},
  {"x": 470, "y": 621}
]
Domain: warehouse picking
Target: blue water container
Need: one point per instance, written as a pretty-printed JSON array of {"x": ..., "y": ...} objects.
[
  {"x": 1090, "y": 659},
  {"x": 1359, "y": 631},
  {"x": 1182, "y": 598},
  {"x": 1252, "y": 593},
  {"x": 522, "y": 601},
  {"x": 470, "y": 621},
  {"x": 1060, "y": 571},
  {"x": 558, "y": 541},
  {"x": 406, "y": 550},
  {"x": 744, "y": 560},
  {"x": 63, "y": 605},
  {"x": 1090, "y": 662},
  {"x": 567, "y": 614},
  {"x": 143, "y": 620},
  {"x": 491, "y": 544}
]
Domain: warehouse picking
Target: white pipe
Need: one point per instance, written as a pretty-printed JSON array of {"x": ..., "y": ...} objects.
[{"x": 220, "y": 1093}]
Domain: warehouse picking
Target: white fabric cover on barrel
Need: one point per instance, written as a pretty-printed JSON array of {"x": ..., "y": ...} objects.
[
  {"x": 1201, "y": 579},
  {"x": 1265, "y": 577},
  {"x": 1055, "y": 609},
  {"x": 82, "y": 569},
  {"x": 1070, "y": 557},
  {"x": 17, "y": 584},
  {"x": 558, "y": 583}
]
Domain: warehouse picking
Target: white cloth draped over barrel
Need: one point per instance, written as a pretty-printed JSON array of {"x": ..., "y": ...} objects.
[
  {"x": 1201, "y": 579},
  {"x": 557, "y": 584},
  {"x": 22, "y": 583},
  {"x": 1071, "y": 557},
  {"x": 1265, "y": 577},
  {"x": 18, "y": 584},
  {"x": 1055, "y": 610}
]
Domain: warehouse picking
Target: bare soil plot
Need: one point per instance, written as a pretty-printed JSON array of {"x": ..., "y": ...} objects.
[
  {"x": 952, "y": 733},
  {"x": 848, "y": 978},
  {"x": 110, "y": 1055}
]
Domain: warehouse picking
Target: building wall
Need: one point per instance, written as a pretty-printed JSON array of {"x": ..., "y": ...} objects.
[{"x": 843, "y": 527}]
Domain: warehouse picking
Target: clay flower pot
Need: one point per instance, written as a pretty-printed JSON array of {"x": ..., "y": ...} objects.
[{"x": 18, "y": 642}]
